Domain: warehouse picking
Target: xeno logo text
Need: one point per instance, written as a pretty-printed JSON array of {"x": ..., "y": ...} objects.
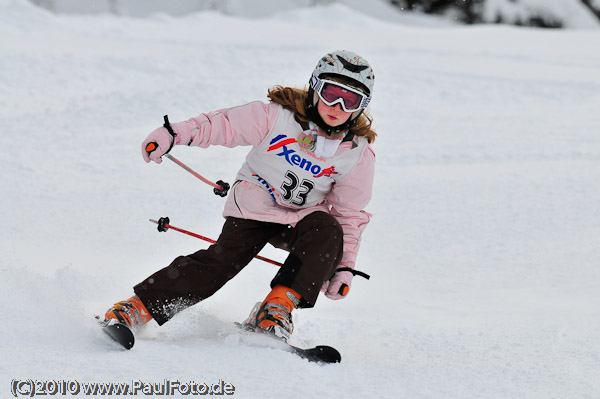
[{"x": 295, "y": 159}]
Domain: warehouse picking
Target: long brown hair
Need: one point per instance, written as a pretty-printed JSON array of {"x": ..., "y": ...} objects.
[{"x": 294, "y": 99}]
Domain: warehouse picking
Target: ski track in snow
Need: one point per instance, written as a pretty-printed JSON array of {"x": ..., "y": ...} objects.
[{"x": 483, "y": 250}]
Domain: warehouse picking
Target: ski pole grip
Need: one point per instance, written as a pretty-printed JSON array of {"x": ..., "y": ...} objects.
[
  {"x": 151, "y": 147},
  {"x": 343, "y": 291}
]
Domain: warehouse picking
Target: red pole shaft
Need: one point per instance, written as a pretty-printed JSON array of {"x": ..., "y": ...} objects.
[
  {"x": 199, "y": 176},
  {"x": 189, "y": 233}
]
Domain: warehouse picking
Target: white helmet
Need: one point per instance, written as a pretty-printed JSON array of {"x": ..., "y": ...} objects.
[
  {"x": 341, "y": 63},
  {"x": 347, "y": 63}
]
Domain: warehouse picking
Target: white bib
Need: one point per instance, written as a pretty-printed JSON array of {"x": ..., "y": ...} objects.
[{"x": 296, "y": 177}]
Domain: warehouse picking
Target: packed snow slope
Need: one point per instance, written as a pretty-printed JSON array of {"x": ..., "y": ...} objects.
[{"x": 484, "y": 248}]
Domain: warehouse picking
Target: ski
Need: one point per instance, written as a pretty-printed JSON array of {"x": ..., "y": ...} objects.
[
  {"x": 317, "y": 354},
  {"x": 118, "y": 332},
  {"x": 122, "y": 334}
]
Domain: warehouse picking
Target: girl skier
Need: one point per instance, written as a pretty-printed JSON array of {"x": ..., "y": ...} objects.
[{"x": 302, "y": 188}]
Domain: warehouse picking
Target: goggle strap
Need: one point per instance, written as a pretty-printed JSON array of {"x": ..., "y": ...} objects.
[{"x": 316, "y": 83}]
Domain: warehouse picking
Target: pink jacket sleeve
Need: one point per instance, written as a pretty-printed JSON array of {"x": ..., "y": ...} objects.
[
  {"x": 230, "y": 127},
  {"x": 348, "y": 199}
]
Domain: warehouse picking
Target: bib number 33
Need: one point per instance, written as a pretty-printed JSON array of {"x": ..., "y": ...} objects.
[{"x": 294, "y": 190}]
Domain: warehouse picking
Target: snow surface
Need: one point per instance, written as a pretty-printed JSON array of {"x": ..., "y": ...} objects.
[{"x": 484, "y": 248}]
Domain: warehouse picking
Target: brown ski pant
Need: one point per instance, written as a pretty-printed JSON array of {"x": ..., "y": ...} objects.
[{"x": 315, "y": 245}]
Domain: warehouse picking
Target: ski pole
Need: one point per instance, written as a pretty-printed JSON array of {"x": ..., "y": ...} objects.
[
  {"x": 163, "y": 225},
  {"x": 220, "y": 187}
]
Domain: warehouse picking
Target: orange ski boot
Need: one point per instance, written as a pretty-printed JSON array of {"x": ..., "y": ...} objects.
[
  {"x": 274, "y": 314},
  {"x": 130, "y": 312}
]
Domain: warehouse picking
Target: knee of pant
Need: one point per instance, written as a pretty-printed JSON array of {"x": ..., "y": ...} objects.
[{"x": 326, "y": 224}]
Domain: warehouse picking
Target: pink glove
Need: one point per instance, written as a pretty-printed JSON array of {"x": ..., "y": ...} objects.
[
  {"x": 338, "y": 286},
  {"x": 157, "y": 144}
]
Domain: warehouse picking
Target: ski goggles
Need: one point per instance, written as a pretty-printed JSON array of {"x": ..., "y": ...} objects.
[{"x": 331, "y": 93}]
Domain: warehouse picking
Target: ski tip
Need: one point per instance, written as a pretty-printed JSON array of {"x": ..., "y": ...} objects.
[
  {"x": 329, "y": 354},
  {"x": 118, "y": 332},
  {"x": 122, "y": 334},
  {"x": 318, "y": 354}
]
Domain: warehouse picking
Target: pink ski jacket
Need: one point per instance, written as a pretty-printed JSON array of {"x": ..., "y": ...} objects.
[{"x": 251, "y": 125}]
